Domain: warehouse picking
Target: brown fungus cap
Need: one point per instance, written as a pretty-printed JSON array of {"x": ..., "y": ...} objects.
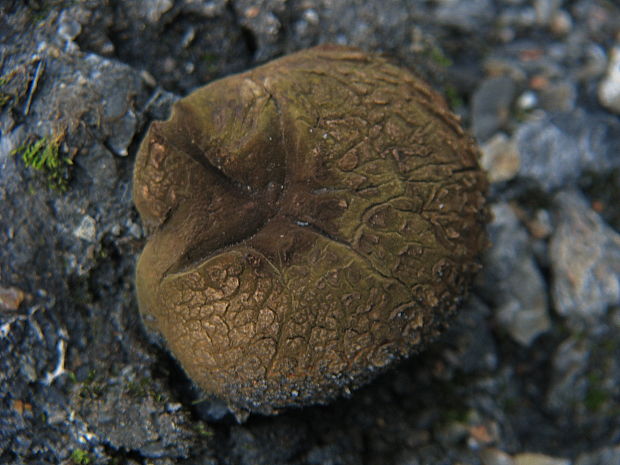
[{"x": 309, "y": 221}]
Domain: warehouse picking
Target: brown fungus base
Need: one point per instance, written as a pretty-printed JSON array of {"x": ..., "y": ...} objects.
[{"x": 310, "y": 221}]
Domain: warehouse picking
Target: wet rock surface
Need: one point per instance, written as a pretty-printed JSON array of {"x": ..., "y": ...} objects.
[{"x": 527, "y": 373}]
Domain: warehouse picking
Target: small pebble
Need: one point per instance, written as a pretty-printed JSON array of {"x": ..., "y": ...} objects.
[
  {"x": 530, "y": 458},
  {"x": 604, "y": 456},
  {"x": 148, "y": 78},
  {"x": 172, "y": 407},
  {"x": 585, "y": 260},
  {"x": 11, "y": 298},
  {"x": 609, "y": 88},
  {"x": 527, "y": 100},
  {"x": 500, "y": 158},
  {"x": 545, "y": 10},
  {"x": 512, "y": 279},
  {"x": 558, "y": 147},
  {"x": 493, "y": 456},
  {"x": 560, "y": 96},
  {"x": 491, "y": 106},
  {"x": 561, "y": 23},
  {"x": 87, "y": 229},
  {"x": 157, "y": 8},
  {"x": 540, "y": 226},
  {"x": 134, "y": 229},
  {"x": 68, "y": 27}
]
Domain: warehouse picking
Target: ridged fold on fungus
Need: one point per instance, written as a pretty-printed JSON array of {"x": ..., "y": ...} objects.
[{"x": 309, "y": 221}]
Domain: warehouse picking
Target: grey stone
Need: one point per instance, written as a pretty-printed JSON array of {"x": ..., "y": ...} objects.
[
  {"x": 585, "y": 259},
  {"x": 262, "y": 18},
  {"x": 569, "y": 365},
  {"x": 465, "y": 15},
  {"x": 527, "y": 100},
  {"x": 557, "y": 149},
  {"x": 68, "y": 28},
  {"x": 500, "y": 158},
  {"x": 87, "y": 229},
  {"x": 207, "y": 8},
  {"x": 451, "y": 433},
  {"x": 595, "y": 62},
  {"x": 11, "y": 298},
  {"x": 603, "y": 456},
  {"x": 512, "y": 280},
  {"x": 522, "y": 16},
  {"x": 471, "y": 348},
  {"x": 561, "y": 22},
  {"x": 155, "y": 39},
  {"x": 371, "y": 25},
  {"x": 609, "y": 88},
  {"x": 250, "y": 451},
  {"x": 493, "y": 456},
  {"x": 491, "y": 106},
  {"x": 148, "y": 10},
  {"x": 558, "y": 97},
  {"x": 147, "y": 425},
  {"x": 546, "y": 9},
  {"x": 583, "y": 384},
  {"x": 533, "y": 458}
]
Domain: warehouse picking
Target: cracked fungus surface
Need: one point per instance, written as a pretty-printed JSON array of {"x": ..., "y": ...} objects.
[{"x": 309, "y": 221}]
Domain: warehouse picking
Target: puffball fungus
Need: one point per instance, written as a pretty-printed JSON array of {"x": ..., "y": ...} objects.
[{"x": 309, "y": 222}]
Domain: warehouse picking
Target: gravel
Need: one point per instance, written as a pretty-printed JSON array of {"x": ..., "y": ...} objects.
[
  {"x": 609, "y": 87},
  {"x": 585, "y": 258},
  {"x": 556, "y": 150},
  {"x": 513, "y": 281},
  {"x": 528, "y": 373}
]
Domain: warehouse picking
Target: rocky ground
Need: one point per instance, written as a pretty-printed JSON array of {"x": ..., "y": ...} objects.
[{"x": 528, "y": 374}]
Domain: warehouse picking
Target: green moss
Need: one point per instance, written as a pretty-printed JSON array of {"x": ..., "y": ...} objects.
[
  {"x": 144, "y": 388},
  {"x": 211, "y": 60},
  {"x": 71, "y": 376},
  {"x": 202, "y": 430},
  {"x": 139, "y": 389},
  {"x": 596, "y": 396},
  {"x": 90, "y": 377},
  {"x": 14, "y": 85},
  {"x": 81, "y": 457},
  {"x": 452, "y": 97},
  {"x": 43, "y": 155},
  {"x": 510, "y": 405},
  {"x": 595, "y": 399},
  {"x": 90, "y": 387},
  {"x": 455, "y": 414},
  {"x": 41, "y": 10},
  {"x": 438, "y": 56},
  {"x": 5, "y": 97}
]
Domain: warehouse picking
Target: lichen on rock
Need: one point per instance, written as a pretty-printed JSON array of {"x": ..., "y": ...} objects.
[{"x": 309, "y": 222}]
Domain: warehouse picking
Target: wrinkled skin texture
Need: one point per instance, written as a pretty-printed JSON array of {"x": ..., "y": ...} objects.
[{"x": 309, "y": 221}]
